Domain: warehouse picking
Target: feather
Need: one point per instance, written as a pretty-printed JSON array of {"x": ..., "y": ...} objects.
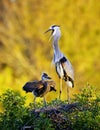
[{"x": 39, "y": 88}]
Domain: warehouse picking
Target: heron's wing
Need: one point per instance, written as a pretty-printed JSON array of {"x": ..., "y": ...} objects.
[
  {"x": 52, "y": 85},
  {"x": 67, "y": 67},
  {"x": 29, "y": 86},
  {"x": 59, "y": 69},
  {"x": 39, "y": 84},
  {"x": 40, "y": 90}
]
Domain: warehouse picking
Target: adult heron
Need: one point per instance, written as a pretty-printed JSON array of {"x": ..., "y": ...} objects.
[{"x": 63, "y": 66}]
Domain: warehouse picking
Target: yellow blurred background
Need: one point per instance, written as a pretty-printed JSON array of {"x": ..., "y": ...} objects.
[{"x": 25, "y": 52}]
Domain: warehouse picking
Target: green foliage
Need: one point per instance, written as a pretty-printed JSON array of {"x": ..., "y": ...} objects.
[
  {"x": 85, "y": 116},
  {"x": 43, "y": 123},
  {"x": 14, "y": 110},
  {"x": 56, "y": 102},
  {"x": 25, "y": 51},
  {"x": 16, "y": 115},
  {"x": 87, "y": 120},
  {"x": 37, "y": 105}
]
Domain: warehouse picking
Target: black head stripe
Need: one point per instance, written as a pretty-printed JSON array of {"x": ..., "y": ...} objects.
[
  {"x": 55, "y": 26},
  {"x": 45, "y": 74}
]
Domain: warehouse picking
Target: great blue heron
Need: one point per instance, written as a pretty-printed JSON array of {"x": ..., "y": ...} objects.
[
  {"x": 63, "y": 66},
  {"x": 39, "y": 88}
]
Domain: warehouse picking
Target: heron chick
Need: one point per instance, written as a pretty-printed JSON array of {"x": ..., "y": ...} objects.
[{"x": 39, "y": 88}]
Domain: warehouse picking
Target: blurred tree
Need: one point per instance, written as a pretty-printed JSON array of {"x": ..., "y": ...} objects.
[{"x": 25, "y": 51}]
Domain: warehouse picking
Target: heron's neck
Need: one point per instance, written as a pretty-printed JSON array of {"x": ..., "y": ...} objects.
[
  {"x": 57, "y": 53},
  {"x": 56, "y": 46}
]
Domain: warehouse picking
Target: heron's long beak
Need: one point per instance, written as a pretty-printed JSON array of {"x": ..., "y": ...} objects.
[
  {"x": 51, "y": 33},
  {"x": 48, "y": 30}
]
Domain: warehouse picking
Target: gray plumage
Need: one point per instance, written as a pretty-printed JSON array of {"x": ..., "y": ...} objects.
[{"x": 63, "y": 66}]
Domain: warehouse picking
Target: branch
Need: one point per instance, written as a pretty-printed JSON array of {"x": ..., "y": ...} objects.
[{"x": 57, "y": 109}]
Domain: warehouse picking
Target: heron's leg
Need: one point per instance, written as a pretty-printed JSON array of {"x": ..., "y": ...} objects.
[
  {"x": 34, "y": 101},
  {"x": 60, "y": 91},
  {"x": 44, "y": 101},
  {"x": 68, "y": 94}
]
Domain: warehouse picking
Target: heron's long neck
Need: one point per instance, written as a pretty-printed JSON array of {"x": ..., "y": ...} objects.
[
  {"x": 56, "y": 46},
  {"x": 57, "y": 54}
]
